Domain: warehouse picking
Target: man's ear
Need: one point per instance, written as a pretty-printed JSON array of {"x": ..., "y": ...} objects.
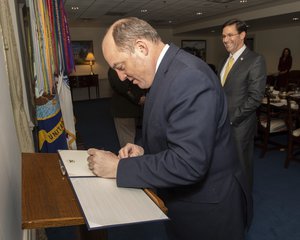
[
  {"x": 141, "y": 47},
  {"x": 243, "y": 35}
]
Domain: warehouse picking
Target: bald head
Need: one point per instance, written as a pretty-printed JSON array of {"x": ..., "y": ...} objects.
[
  {"x": 132, "y": 46},
  {"x": 126, "y": 31}
]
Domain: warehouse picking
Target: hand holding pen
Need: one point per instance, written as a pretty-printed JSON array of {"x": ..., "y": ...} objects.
[
  {"x": 131, "y": 150},
  {"x": 103, "y": 163}
]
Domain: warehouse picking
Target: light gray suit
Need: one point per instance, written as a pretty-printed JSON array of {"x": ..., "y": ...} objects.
[{"x": 244, "y": 89}]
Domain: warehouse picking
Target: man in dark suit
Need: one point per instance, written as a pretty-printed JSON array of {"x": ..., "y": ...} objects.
[
  {"x": 244, "y": 87},
  {"x": 187, "y": 153},
  {"x": 126, "y": 107}
]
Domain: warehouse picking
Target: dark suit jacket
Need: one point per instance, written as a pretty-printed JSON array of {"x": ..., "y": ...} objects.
[
  {"x": 189, "y": 153},
  {"x": 244, "y": 89},
  {"x": 245, "y": 86},
  {"x": 125, "y": 97}
]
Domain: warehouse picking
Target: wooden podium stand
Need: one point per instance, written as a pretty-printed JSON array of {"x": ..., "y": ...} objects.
[{"x": 48, "y": 199}]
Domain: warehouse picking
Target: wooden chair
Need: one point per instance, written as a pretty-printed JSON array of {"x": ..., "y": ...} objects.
[
  {"x": 293, "y": 124},
  {"x": 270, "y": 123}
]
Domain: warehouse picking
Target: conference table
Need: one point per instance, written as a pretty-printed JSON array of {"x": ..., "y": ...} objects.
[
  {"x": 48, "y": 199},
  {"x": 279, "y": 99}
]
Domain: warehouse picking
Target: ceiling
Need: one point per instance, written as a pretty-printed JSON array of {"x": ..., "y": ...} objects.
[{"x": 185, "y": 16}]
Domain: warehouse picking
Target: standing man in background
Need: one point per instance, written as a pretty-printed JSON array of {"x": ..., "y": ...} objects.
[
  {"x": 187, "y": 153},
  {"x": 243, "y": 77},
  {"x": 126, "y": 107}
]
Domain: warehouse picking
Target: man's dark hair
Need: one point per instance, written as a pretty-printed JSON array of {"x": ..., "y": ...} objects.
[{"x": 241, "y": 26}]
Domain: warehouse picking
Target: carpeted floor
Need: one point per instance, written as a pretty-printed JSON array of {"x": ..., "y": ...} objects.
[
  {"x": 276, "y": 199},
  {"x": 276, "y": 189}
]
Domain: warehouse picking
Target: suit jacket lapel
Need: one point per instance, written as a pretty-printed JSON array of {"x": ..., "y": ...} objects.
[
  {"x": 159, "y": 76},
  {"x": 236, "y": 64}
]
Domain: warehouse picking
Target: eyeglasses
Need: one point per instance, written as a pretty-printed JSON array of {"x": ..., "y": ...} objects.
[{"x": 230, "y": 35}]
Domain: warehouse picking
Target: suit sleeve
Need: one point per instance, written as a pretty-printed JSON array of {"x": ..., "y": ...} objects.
[{"x": 183, "y": 138}]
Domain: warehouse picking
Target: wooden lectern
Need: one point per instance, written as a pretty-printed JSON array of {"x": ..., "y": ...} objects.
[{"x": 48, "y": 199}]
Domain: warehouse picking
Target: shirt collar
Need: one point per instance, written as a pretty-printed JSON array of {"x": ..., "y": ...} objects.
[
  {"x": 161, "y": 55},
  {"x": 238, "y": 53}
]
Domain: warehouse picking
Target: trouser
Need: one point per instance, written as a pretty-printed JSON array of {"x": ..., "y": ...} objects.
[
  {"x": 244, "y": 141},
  {"x": 126, "y": 130},
  {"x": 208, "y": 221}
]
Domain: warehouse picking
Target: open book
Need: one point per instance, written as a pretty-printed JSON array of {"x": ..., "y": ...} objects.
[
  {"x": 75, "y": 163},
  {"x": 103, "y": 203}
]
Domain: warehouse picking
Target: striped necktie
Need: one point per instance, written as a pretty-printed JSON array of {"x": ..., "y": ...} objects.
[{"x": 227, "y": 69}]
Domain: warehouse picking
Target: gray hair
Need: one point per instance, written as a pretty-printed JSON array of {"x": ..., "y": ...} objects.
[{"x": 126, "y": 31}]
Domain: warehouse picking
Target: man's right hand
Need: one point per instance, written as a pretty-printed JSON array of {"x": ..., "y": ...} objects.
[{"x": 131, "y": 150}]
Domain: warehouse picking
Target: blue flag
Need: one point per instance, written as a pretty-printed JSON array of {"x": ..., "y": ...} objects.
[{"x": 51, "y": 129}]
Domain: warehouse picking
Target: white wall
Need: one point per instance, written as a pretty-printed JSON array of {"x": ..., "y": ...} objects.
[
  {"x": 96, "y": 35},
  {"x": 10, "y": 161},
  {"x": 100, "y": 67},
  {"x": 269, "y": 43}
]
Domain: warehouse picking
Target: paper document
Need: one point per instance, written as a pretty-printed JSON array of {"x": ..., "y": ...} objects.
[
  {"x": 75, "y": 163},
  {"x": 103, "y": 203}
]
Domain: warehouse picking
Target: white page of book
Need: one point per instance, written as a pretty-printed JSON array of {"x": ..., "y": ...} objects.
[
  {"x": 75, "y": 163},
  {"x": 104, "y": 204}
]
